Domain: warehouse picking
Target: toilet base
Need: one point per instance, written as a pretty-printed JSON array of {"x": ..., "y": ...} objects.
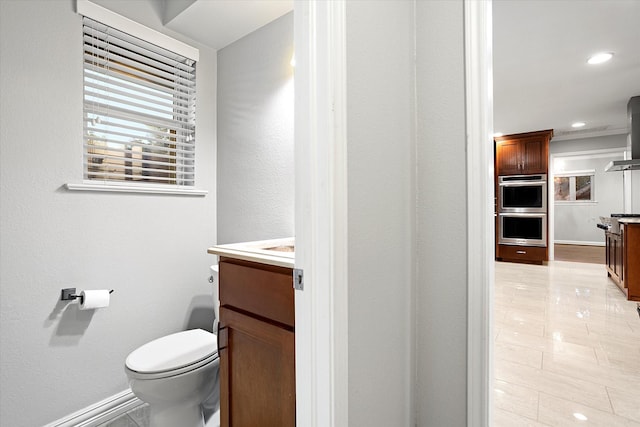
[{"x": 177, "y": 415}]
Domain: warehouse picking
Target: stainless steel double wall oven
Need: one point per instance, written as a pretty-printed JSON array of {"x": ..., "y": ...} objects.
[{"x": 522, "y": 210}]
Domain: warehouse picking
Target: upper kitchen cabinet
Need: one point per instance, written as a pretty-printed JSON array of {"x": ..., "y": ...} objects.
[{"x": 523, "y": 153}]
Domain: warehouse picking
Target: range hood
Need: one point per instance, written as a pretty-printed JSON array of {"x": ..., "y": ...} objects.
[{"x": 633, "y": 111}]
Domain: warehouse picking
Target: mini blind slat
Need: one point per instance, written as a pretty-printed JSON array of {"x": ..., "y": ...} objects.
[
  {"x": 110, "y": 58},
  {"x": 125, "y": 69},
  {"x": 112, "y": 138},
  {"x": 129, "y": 83},
  {"x": 121, "y": 175},
  {"x": 150, "y": 87},
  {"x": 103, "y": 97},
  {"x": 132, "y": 165},
  {"x": 144, "y": 120},
  {"x": 98, "y": 30},
  {"x": 105, "y": 109},
  {"x": 149, "y": 132},
  {"x": 128, "y": 159},
  {"x": 139, "y": 110},
  {"x": 98, "y": 46}
]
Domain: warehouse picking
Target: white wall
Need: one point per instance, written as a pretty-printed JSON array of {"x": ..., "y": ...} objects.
[
  {"x": 441, "y": 294},
  {"x": 55, "y": 359},
  {"x": 255, "y": 135},
  {"x": 381, "y": 165}
]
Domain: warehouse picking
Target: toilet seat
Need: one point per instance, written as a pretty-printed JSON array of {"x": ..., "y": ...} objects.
[{"x": 172, "y": 355}]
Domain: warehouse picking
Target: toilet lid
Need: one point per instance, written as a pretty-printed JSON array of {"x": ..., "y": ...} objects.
[{"x": 173, "y": 351}]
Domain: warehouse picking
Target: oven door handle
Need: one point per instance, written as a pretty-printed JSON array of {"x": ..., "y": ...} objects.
[
  {"x": 521, "y": 183},
  {"x": 524, "y": 214}
]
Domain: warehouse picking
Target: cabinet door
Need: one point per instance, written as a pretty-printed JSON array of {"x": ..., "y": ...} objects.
[
  {"x": 534, "y": 155},
  {"x": 508, "y": 157},
  {"x": 257, "y": 364},
  {"x": 611, "y": 247},
  {"x": 617, "y": 249},
  {"x": 631, "y": 260}
]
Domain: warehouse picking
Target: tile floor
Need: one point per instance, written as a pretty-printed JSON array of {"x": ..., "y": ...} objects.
[
  {"x": 566, "y": 347},
  {"x": 137, "y": 417}
]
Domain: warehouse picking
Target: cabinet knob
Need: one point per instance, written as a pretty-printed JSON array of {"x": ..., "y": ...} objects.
[{"x": 521, "y": 252}]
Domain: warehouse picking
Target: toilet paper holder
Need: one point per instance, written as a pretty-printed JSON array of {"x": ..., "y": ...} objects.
[{"x": 69, "y": 294}]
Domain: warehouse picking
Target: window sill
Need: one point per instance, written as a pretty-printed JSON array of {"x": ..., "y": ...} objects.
[{"x": 115, "y": 188}]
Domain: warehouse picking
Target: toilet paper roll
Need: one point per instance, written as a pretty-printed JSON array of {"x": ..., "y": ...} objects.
[{"x": 94, "y": 299}]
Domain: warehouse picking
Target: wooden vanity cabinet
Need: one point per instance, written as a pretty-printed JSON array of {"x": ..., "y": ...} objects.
[
  {"x": 523, "y": 153},
  {"x": 256, "y": 341}
]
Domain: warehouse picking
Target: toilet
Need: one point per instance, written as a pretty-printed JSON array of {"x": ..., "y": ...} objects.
[{"x": 177, "y": 375}]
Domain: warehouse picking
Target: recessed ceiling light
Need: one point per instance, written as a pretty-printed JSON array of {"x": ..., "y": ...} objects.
[
  {"x": 578, "y": 124},
  {"x": 599, "y": 58}
]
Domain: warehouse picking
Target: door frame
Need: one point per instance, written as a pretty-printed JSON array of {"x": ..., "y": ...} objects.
[
  {"x": 321, "y": 213},
  {"x": 478, "y": 32}
]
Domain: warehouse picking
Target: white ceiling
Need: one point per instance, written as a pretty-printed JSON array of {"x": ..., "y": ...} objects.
[
  {"x": 541, "y": 77},
  {"x": 217, "y": 23}
]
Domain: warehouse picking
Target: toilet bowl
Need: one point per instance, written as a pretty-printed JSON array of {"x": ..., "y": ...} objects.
[{"x": 177, "y": 375}]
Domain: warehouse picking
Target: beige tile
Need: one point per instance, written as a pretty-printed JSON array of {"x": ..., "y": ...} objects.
[
  {"x": 557, "y": 411},
  {"x": 502, "y": 418},
  {"x": 567, "y": 332},
  {"x": 519, "y": 400},
  {"x": 547, "y": 345},
  {"x": 604, "y": 375},
  {"x": 519, "y": 354},
  {"x": 530, "y": 327},
  {"x": 626, "y": 403},
  {"x": 560, "y": 385}
]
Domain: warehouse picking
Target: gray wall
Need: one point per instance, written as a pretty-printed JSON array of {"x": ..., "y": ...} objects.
[
  {"x": 55, "y": 359},
  {"x": 441, "y": 286},
  {"x": 587, "y": 144},
  {"x": 577, "y": 222},
  {"x": 381, "y": 163},
  {"x": 255, "y": 135},
  {"x": 407, "y": 214}
]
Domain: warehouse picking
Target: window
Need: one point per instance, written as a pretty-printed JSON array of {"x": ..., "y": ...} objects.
[
  {"x": 139, "y": 110},
  {"x": 574, "y": 186}
]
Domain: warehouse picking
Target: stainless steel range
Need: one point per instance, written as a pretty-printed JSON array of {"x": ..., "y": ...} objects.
[{"x": 611, "y": 223}]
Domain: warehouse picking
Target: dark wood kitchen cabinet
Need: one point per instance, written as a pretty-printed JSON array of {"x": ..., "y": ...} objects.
[
  {"x": 614, "y": 255},
  {"x": 257, "y": 345},
  {"x": 523, "y": 153},
  {"x": 623, "y": 259}
]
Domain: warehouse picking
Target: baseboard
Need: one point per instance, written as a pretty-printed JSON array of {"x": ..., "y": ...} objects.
[
  {"x": 578, "y": 243},
  {"x": 100, "y": 412}
]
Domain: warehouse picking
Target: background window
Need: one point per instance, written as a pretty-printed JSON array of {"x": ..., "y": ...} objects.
[
  {"x": 570, "y": 187},
  {"x": 139, "y": 110}
]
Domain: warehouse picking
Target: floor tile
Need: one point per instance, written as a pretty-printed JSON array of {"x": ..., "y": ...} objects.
[
  {"x": 502, "y": 418},
  {"x": 626, "y": 403},
  {"x": 516, "y": 399},
  {"x": 556, "y": 411},
  {"x": 565, "y": 332}
]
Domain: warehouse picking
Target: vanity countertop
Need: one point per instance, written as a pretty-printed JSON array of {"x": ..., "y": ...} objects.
[{"x": 279, "y": 252}]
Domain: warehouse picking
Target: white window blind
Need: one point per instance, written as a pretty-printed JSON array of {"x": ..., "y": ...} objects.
[{"x": 139, "y": 110}]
